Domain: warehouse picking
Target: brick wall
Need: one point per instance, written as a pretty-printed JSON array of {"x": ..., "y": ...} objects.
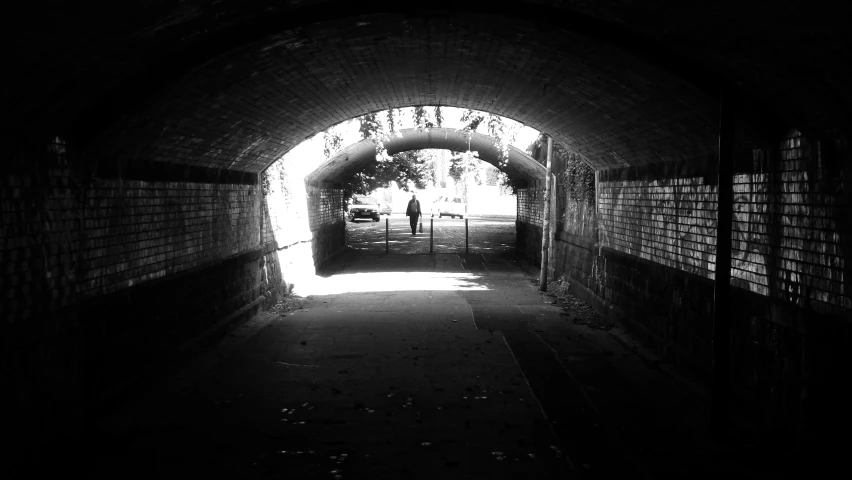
[
  {"x": 575, "y": 195},
  {"x": 530, "y": 205},
  {"x": 574, "y": 212},
  {"x": 788, "y": 215},
  {"x": 99, "y": 235},
  {"x": 329, "y": 207},
  {"x": 576, "y": 229},
  {"x": 667, "y": 221},
  {"x": 650, "y": 266},
  {"x": 789, "y": 229},
  {"x": 528, "y": 223},
  {"x": 137, "y": 230},
  {"x": 306, "y": 218},
  {"x": 307, "y": 222},
  {"x": 327, "y": 222},
  {"x": 107, "y": 281}
]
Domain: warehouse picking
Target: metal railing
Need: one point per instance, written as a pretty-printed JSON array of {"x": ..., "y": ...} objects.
[{"x": 431, "y": 235}]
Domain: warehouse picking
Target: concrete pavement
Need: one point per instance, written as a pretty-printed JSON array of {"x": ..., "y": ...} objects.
[{"x": 416, "y": 366}]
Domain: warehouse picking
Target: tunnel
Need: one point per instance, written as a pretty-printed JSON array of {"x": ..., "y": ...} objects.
[
  {"x": 700, "y": 203},
  {"x": 325, "y": 181}
]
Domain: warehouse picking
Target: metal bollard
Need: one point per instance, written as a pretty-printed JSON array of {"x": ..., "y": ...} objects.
[
  {"x": 465, "y": 237},
  {"x": 431, "y": 234},
  {"x": 387, "y": 249}
]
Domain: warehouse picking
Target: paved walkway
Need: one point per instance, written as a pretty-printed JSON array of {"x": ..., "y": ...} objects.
[{"x": 417, "y": 367}]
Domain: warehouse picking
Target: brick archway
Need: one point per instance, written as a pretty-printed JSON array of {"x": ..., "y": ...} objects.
[{"x": 352, "y": 158}]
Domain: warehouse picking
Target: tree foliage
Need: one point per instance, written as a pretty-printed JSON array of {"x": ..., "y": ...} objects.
[
  {"x": 404, "y": 168},
  {"x": 413, "y": 167},
  {"x": 421, "y": 168},
  {"x": 501, "y": 129},
  {"x": 461, "y": 164},
  {"x": 332, "y": 142},
  {"x": 371, "y": 127},
  {"x": 421, "y": 118},
  {"x": 393, "y": 119},
  {"x": 472, "y": 119}
]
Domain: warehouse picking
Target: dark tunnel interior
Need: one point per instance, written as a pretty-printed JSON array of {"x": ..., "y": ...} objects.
[{"x": 697, "y": 204}]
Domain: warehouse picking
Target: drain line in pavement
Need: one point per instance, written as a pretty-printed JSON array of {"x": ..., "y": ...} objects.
[
  {"x": 618, "y": 443},
  {"x": 296, "y": 365},
  {"x": 537, "y": 401}
]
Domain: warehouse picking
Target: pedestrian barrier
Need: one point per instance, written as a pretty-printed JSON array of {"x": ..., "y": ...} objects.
[
  {"x": 431, "y": 235},
  {"x": 438, "y": 236}
]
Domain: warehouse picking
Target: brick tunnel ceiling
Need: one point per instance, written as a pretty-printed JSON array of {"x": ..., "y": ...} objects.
[
  {"x": 235, "y": 84},
  {"x": 352, "y": 158}
]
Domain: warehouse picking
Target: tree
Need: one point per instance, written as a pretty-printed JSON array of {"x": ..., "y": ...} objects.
[
  {"x": 503, "y": 130},
  {"x": 491, "y": 175},
  {"x": 332, "y": 141},
  {"x": 370, "y": 127},
  {"x": 472, "y": 119},
  {"x": 439, "y": 117},
  {"x": 425, "y": 167},
  {"x": 462, "y": 166},
  {"x": 392, "y": 116},
  {"x": 421, "y": 118},
  {"x": 413, "y": 166},
  {"x": 403, "y": 168}
]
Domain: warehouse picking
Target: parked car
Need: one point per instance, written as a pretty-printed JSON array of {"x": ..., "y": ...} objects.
[
  {"x": 385, "y": 209},
  {"x": 363, "y": 207},
  {"x": 452, "y": 206}
]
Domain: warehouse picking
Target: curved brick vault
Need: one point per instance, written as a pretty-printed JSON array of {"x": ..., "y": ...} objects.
[
  {"x": 352, "y": 158},
  {"x": 235, "y": 84}
]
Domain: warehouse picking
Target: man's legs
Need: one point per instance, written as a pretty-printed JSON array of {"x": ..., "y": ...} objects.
[{"x": 413, "y": 220}]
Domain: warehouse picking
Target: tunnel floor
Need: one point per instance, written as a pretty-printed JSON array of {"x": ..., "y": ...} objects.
[{"x": 420, "y": 366}]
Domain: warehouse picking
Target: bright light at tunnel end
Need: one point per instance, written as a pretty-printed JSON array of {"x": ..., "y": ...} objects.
[{"x": 374, "y": 282}]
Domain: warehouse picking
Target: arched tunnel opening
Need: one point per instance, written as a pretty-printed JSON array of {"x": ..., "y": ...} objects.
[
  {"x": 323, "y": 213},
  {"x": 306, "y": 197},
  {"x": 697, "y": 243}
]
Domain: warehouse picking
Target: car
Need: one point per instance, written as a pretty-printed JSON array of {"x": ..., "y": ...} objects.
[
  {"x": 363, "y": 207},
  {"x": 446, "y": 205},
  {"x": 385, "y": 209}
]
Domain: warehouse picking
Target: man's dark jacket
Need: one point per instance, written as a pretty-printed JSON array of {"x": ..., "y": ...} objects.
[{"x": 413, "y": 209}]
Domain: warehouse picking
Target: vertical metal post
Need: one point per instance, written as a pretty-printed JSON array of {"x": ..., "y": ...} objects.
[
  {"x": 387, "y": 249},
  {"x": 431, "y": 234},
  {"x": 551, "y": 236},
  {"x": 722, "y": 276},
  {"x": 545, "y": 229},
  {"x": 465, "y": 237}
]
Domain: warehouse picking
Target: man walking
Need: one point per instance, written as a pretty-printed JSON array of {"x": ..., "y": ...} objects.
[{"x": 413, "y": 212}]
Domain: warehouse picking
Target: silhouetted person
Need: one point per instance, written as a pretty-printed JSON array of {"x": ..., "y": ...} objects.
[{"x": 413, "y": 213}]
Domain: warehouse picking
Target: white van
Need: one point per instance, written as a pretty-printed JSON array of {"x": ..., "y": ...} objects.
[{"x": 452, "y": 206}]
